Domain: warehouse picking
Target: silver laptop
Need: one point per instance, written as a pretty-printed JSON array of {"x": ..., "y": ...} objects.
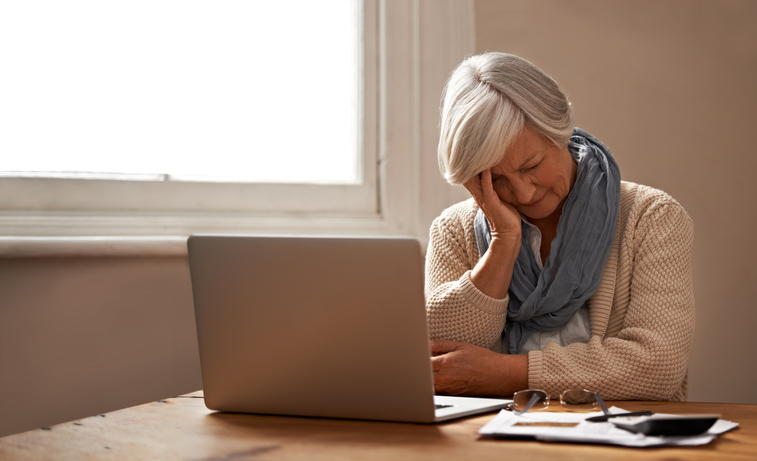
[{"x": 317, "y": 326}]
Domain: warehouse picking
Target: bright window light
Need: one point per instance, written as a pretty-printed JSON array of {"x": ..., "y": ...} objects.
[{"x": 231, "y": 90}]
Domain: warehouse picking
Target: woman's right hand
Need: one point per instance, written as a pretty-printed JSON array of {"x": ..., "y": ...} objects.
[
  {"x": 504, "y": 219},
  {"x": 494, "y": 270}
]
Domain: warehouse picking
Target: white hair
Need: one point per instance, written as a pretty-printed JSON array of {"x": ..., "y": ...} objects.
[{"x": 485, "y": 104}]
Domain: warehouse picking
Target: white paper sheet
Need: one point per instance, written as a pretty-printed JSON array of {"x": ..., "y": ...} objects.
[{"x": 572, "y": 427}]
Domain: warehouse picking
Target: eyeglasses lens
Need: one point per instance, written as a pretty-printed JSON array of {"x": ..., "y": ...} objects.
[
  {"x": 578, "y": 400},
  {"x": 521, "y": 399}
]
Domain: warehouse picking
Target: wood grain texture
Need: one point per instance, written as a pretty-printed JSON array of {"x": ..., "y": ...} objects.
[{"x": 183, "y": 428}]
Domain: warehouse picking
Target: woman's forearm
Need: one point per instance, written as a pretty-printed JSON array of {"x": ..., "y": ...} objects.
[
  {"x": 510, "y": 375},
  {"x": 465, "y": 369},
  {"x": 493, "y": 272}
]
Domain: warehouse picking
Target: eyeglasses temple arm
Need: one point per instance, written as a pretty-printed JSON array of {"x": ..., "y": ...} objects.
[
  {"x": 531, "y": 403},
  {"x": 602, "y": 403}
]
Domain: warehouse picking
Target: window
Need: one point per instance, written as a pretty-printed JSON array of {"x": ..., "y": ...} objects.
[
  {"x": 181, "y": 90},
  {"x": 395, "y": 184},
  {"x": 152, "y": 43}
]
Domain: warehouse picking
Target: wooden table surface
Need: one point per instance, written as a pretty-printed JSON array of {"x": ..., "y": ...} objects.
[{"x": 182, "y": 428}]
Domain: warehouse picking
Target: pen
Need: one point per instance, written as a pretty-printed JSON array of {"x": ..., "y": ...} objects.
[
  {"x": 607, "y": 415},
  {"x": 604, "y": 418}
]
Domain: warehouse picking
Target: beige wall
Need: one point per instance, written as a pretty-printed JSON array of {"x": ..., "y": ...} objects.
[
  {"x": 670, "y": 87},
  {"x": 81, "y": 336}
]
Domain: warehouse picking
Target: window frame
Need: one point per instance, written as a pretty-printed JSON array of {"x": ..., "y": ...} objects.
[{"x": 406, "y": 43}]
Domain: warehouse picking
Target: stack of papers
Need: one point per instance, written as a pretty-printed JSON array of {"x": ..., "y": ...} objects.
[{"x": 572, "y": 427}]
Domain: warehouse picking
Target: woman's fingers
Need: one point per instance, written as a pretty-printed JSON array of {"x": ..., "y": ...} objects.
[
  {"x": 442, "y": 346},
  {"x": 487, "y": 188},
  {"x": 473, "y": 186},
  {"x": 480, "y": 187},
  {"x": 502, "y": 216}
]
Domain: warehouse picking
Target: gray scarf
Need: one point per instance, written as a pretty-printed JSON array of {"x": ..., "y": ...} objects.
[{"x": 546, "y": 300}]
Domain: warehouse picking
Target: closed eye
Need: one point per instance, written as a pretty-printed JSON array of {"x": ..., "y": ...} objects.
[{"x": 531, "y": 168}]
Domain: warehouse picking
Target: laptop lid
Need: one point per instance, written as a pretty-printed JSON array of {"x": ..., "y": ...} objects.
[{"x": 313, "y": 326}]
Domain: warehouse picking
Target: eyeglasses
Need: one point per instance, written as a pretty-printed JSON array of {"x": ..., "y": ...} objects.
[{"x": 571, "y": 400}]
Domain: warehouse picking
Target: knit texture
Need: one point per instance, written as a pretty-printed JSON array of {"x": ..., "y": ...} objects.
[{"x": 642, "y": 314}]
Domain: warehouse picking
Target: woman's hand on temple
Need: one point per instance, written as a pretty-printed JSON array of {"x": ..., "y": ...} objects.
[
  {"x": 504, "y": 219},
  {"x": 494, "y": 270},
  {"x": 466, "y": 369}
]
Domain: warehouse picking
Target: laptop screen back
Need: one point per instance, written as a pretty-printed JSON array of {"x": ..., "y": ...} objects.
[{"x": 312, "y": 326}]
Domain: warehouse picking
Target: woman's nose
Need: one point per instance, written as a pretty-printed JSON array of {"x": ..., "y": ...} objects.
[{"x": 524, "y": 191}]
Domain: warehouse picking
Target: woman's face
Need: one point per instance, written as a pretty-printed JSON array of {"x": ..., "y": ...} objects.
[{"x": 534, "y": 175}]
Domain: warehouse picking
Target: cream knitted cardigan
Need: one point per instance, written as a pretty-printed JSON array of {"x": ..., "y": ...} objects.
[{"x": 642, "y": 315}]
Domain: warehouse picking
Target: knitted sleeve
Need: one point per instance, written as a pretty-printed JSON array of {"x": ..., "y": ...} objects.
[
  {"x": 456, "y": 310},
  {"x": 647, "y": 358}
]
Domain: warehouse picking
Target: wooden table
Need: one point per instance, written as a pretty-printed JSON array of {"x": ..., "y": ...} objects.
[{"x": 182, "y": 428}]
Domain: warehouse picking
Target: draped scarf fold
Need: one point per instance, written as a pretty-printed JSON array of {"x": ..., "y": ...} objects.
[{"x": 546, "y": 300}]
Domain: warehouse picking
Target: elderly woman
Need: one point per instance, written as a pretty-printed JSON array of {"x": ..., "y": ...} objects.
[{"x": 556, "y": 275}]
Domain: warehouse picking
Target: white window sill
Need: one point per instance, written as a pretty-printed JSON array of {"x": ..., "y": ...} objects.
[{"x": 52, "y": 247}]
